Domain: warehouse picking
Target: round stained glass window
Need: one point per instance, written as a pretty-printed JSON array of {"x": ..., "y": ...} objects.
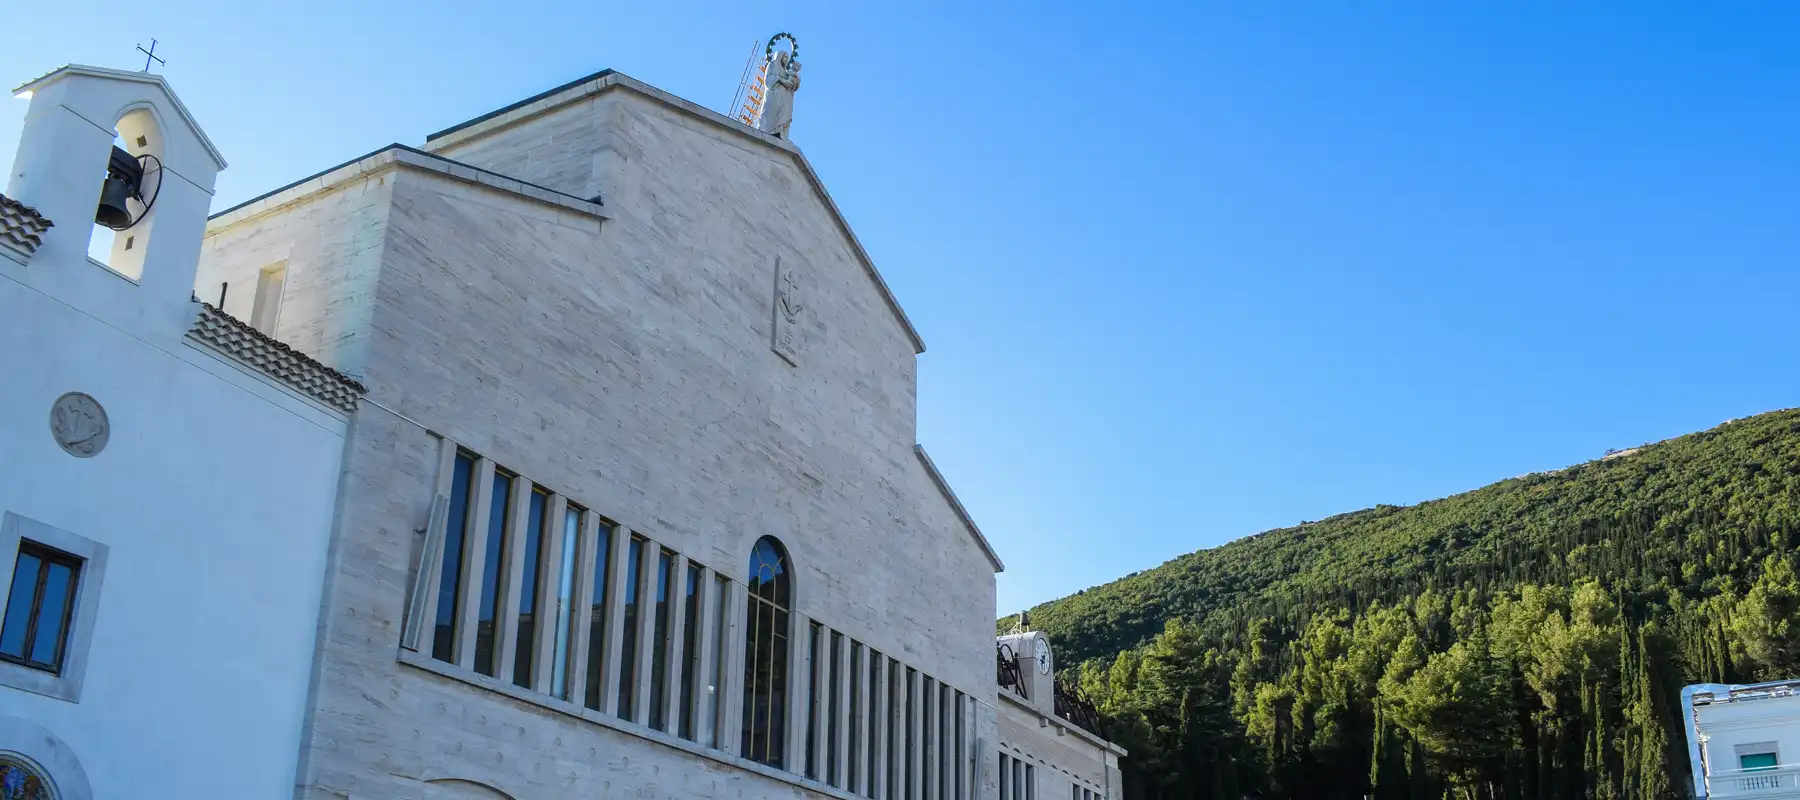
[{"x": 21, "y": 780}]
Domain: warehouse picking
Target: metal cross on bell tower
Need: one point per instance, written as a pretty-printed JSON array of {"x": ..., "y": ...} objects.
[{"x": 150, "y": 55}]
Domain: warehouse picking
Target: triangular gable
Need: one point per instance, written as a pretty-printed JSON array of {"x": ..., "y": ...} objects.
[
  {"x": 609, "y": 79},
  {"x": 139, "y": 77}
]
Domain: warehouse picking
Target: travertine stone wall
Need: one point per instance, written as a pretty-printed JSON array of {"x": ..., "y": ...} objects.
[{"x": 627, "y": 365}]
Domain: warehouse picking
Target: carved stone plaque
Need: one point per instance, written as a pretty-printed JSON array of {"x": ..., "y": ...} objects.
[
  {"x": 79, "y": 425},
  {"x": 790, "y": 308}
]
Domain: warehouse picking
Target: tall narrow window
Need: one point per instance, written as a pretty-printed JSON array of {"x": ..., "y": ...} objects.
[
  {"x": 831, "y": 712},
  {"x": 1030, "y": 782},
  {"x": 565, "y": 599},
  {"x": 1006, "y": 792},
  {"x": 659, "y": 642},
  {"x": 267, "y": 308},
  {"x": 456, "y": 525},
  {"x": 911, "y": 725},
  {"x": 766, "y": 654},
  {"x": 530, "y": 577},
  {"x": 485, "y": 622},
  {"x": 628, "y": 649},
  {"x": 928, "y": 734},
  {"x": 721, "y": 603},
  {"x": 815, "y": 693},
  {"x": 896, "y": 722},
  {"x": 857, "y": 670},
  {"x": 873, "y": 722},
  {"x": 39, "y": 607},
  {"x": 962, "y": 746},
  {"x": 596, "y": 618},
  {"x": 690, "y": 651}
]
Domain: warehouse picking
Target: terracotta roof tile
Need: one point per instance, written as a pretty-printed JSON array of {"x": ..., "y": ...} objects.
[
  {"x": 21, "y": 226},
  {"x": 273, "y": 358}
]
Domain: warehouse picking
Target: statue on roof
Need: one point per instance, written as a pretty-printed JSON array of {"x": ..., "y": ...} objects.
[{"x": 784, "y": 81}]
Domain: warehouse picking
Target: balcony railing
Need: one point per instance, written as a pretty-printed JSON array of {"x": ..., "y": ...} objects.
[{"x": 1754, "y": 782}]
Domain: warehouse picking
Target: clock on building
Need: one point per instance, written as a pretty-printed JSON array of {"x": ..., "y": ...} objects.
[{"x": 1043, "y": 657}]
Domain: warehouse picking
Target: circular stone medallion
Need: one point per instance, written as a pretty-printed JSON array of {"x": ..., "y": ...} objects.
[{"x": 79, "y": 425}]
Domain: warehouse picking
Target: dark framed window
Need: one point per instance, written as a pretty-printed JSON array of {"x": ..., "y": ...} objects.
[
  {"x": 659, "y": 642},
  {"x": 488, "y": 603},
  {"x": 596, "y": 664},
  {"x": 529, "y": 579},
  {"x": 690, "y": 651},
  {"x": 766, "y": 654},
  {"x": 628, "y": 674},
  {"x": 449, "y": 598},
  {"x": 40, "y": 607}
]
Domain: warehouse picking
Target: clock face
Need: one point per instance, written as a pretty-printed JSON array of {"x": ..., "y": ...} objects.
[{"x": 1043, "y": 657}]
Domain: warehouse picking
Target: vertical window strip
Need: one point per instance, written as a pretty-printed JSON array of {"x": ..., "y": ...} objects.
[
  {"x": 961, "y": 759},
  {"x": 566, "y": 618},
  {"x": 486, "y": 624},
  {"x": 831, "y": 727},
  {"x": 690, "y": 651},
  {"x": 896, "y": 722},
  {"x": 872, "y": 711},
  {"x": 1005, "y": 777},
  {"x": 596, "y": 619},
  {"x": 628, "y": 676},
  {"x": 530, "y": 578},
  {"x": 854, "y": 715},
  {"x": 449, "y": 597},
  {"x": 721, "y": 623},
  {"x": 1030, "y": 782},
  {"x": 814, "y": 634},
  {"x": 659, "y": 641}
]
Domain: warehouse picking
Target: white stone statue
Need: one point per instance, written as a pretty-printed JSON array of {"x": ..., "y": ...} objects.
[{"x": 778, "y": 109}]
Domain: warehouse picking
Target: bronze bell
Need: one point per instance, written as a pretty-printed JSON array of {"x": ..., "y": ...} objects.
[
  {"x": 112, "y": 212},
  {"x": 124, "y": 178}
]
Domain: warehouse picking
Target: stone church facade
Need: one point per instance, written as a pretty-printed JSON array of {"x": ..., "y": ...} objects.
[{"x": 633, "y": 505}]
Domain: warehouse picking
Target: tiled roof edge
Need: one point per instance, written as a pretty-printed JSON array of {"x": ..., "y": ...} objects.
[
  {"x": 21, "y": 226},
  {"x": 275, "y": 358}
]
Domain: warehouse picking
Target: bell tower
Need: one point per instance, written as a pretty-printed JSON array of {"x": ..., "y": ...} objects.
[{"x": 152, "y": 190}]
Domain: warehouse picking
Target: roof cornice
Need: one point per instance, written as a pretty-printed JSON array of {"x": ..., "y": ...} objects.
[{"x": 956, "y": 505}]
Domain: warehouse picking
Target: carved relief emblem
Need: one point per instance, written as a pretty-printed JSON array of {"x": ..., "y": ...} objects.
[
  {"x": 790, "y": 305},
  {"x": 79, "y": 425}
]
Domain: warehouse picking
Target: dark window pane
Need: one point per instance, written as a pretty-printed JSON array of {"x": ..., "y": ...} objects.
[
  {"x": 490, "y": 574},
  {"x": 628, "y": 650},
  {"x": 566, "y": 618},
  {"x": 690, "y": 652},
  {"x": 53, "y": 610},
  {"x": 659, "y": 640},
  {"x": 27, "y": 572},
  {"x": 528, "y": 588},
  {"x": 443, "y": 646},
  {"x": 596, "y": 666}
]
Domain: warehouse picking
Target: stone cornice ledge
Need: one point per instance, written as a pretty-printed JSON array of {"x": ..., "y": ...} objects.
[
  {"x": 391, "y": 157},
  {"x": 473, "y": 678},
  {"x": 1066, "y": 725},
  {"x": 608, "y": 79}
]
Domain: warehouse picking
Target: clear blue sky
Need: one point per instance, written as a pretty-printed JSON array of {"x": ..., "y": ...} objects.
[{"x": 1187, "y": 271}]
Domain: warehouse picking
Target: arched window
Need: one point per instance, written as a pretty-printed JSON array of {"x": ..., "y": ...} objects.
[{"x": 766, "y": 654}]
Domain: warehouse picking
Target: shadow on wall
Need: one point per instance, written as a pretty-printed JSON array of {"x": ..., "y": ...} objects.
[{"x": 459, "y": 789}]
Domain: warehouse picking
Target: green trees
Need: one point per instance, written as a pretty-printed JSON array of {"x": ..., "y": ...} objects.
[{"x": 1525, "y": 640}]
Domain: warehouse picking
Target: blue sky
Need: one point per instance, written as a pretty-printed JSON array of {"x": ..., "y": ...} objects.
[{"x": 1188, "y": 271}]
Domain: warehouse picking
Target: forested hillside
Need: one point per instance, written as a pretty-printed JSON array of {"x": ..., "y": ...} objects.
[{"x": 1528, "y": 639}]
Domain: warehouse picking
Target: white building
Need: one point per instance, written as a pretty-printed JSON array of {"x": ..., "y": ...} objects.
[
  {"x": 168, "y": 483},
  {"x": 1051, "y": 743},
  {"x": 1745, "y": 740}
]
